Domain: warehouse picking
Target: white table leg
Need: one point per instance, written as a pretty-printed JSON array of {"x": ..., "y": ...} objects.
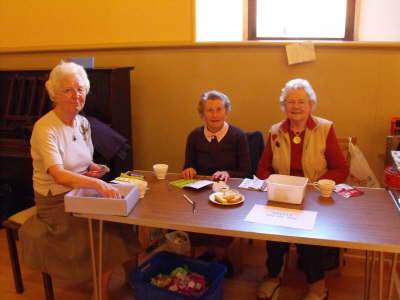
[
  {"x": 392, "y": 275},
  {"x": 397, "y": 284},
  {"x": 369, "y": 262},
  {"x": 380, "y": 291},
  {"x": 94, "y": 273},
  {"x": 100, "y": 257}
]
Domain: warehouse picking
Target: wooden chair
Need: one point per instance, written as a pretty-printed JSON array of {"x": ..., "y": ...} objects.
[
  {"x": 255, "y": 140},
  {"x": 344, "y": 145},
  {"x": 12, "y": 225}
]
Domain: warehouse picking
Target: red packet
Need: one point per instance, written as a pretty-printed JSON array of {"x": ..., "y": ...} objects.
[{"x": 347, "y": 191}]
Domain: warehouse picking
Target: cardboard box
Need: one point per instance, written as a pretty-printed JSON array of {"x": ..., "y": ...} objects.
[{"x": 89, "y": 201}]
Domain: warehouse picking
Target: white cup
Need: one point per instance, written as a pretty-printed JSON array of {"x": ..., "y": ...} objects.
[
  {"x": 160, "y": 170},
  {"x": 219, "y": 186},
  {"x": 325, "y": 187}
]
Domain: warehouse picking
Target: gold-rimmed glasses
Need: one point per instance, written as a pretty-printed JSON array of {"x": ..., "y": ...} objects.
[{"x": 300, "y": 103}]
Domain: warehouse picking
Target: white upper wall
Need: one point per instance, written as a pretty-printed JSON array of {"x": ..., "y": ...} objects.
[{"x": 379, "y": 20}]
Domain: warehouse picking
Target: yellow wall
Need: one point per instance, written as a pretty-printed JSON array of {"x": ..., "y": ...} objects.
[
  {"x": 93, "y": 22},
  {"x": 356, "y": 87},
  {"x": 356, "y": 84}
]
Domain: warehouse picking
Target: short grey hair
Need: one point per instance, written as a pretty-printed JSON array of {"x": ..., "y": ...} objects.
[
  {"x": 65, "y": 69},
  {"x": 214, "y": 95},
  {"x": 296, "y": 84}
]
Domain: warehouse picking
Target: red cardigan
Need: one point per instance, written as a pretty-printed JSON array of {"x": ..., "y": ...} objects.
[{"x": 337, "y": 166}]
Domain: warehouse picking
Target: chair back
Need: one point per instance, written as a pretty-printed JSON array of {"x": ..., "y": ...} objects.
[
  {"x": 344, "y": 145},
  {"x": 256, "y": 147}
]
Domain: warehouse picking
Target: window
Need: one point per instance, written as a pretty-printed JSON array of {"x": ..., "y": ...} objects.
[
  {"x": 219, "y": 20},
  {"x": 232, "y": 20},
  {"x": 295, "y": 19}
]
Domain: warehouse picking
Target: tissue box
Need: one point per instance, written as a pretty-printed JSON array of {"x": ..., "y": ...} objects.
[
  {"x": 89, "y": 201},
  {"x": 285, "y": 188}
]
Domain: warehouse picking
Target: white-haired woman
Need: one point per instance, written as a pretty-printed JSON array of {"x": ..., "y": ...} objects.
[
  {"x": 300, "y": 145},
  {"x": 54, "y": 241},
  {"x": 219, "y": 150}
]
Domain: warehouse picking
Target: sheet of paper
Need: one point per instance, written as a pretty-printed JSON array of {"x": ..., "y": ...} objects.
[
  {"x": 199, "y": 184},
  {"x": 255, "y": 184},
  {"x": 300, "y": 52},
  {"x": 277, "y": 216}
]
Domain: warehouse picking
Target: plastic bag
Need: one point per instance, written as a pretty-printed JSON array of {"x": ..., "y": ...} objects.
[
  {"x": 360, "y": 171},
  {"x": 178, "y": 242}
]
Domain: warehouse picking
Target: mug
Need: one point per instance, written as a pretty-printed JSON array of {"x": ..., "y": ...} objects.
[{"x": 325, "y": 186}]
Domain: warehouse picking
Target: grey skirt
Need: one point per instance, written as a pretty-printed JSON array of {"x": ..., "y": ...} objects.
[{"x": 57, "y": 243}]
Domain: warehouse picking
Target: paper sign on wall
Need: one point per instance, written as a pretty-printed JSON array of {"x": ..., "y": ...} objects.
[{"x": 300, "y": 52}]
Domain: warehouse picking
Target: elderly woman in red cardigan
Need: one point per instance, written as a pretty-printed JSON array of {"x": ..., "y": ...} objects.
[{"x": 300, "y": 145}]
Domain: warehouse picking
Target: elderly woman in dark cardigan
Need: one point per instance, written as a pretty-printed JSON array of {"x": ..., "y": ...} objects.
[{"x": 219, "y": 150}]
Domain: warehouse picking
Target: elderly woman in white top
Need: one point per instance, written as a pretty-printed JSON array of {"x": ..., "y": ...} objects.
[{"x": 54, "y": 241}]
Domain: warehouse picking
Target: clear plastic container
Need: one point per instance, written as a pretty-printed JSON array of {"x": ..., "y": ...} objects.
[{"x": 287, "y": 189}]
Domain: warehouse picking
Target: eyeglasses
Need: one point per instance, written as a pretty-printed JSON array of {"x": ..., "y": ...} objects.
[
  {"x": 300, "y": 103},
  {"x": 72, "y": 91}
]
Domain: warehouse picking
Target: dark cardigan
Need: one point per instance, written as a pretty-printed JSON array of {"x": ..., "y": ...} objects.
[{"x": 231, "y": 154}]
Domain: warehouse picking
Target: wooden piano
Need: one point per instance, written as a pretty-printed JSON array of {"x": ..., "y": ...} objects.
[{"x": 23, "y": 99}]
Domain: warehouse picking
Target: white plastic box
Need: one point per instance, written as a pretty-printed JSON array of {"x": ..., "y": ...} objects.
[
  {"x": 89, "y": 201},
  {"x": 285, "y": 188}
]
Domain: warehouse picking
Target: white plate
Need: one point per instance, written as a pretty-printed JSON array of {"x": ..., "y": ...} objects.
[{"x": 212, "y": 199}]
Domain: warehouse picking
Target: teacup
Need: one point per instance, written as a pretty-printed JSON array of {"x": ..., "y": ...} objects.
[
  {"x": 220, "y": 186},
  {"x": 325, "y": 186},
  {"x": 160, "y": 170}
]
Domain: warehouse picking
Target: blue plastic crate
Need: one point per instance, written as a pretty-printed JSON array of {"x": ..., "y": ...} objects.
[{"x": 164, "y": 262}]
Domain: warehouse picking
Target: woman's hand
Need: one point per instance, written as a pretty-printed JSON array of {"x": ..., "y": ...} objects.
[
  {"x": 96, "y": 171},
  {"x": 220, "y": 176},
  {"x": 76, "y": 181},
  {"x": 107, "y": 190},
  {"x": 189, "y": 173}
]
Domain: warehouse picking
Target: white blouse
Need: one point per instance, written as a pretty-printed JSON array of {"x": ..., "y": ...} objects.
[{"x": 54, "y": 143}]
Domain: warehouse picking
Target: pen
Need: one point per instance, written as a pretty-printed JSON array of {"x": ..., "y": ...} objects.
[
  {"x": 191, "y": 202},
  {"x": 188, "y": 199}
]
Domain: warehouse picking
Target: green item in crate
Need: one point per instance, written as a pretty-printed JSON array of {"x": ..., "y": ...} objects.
[
  {"x": 182, "y": 281},
  {"x": 181, "y": 270}
]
